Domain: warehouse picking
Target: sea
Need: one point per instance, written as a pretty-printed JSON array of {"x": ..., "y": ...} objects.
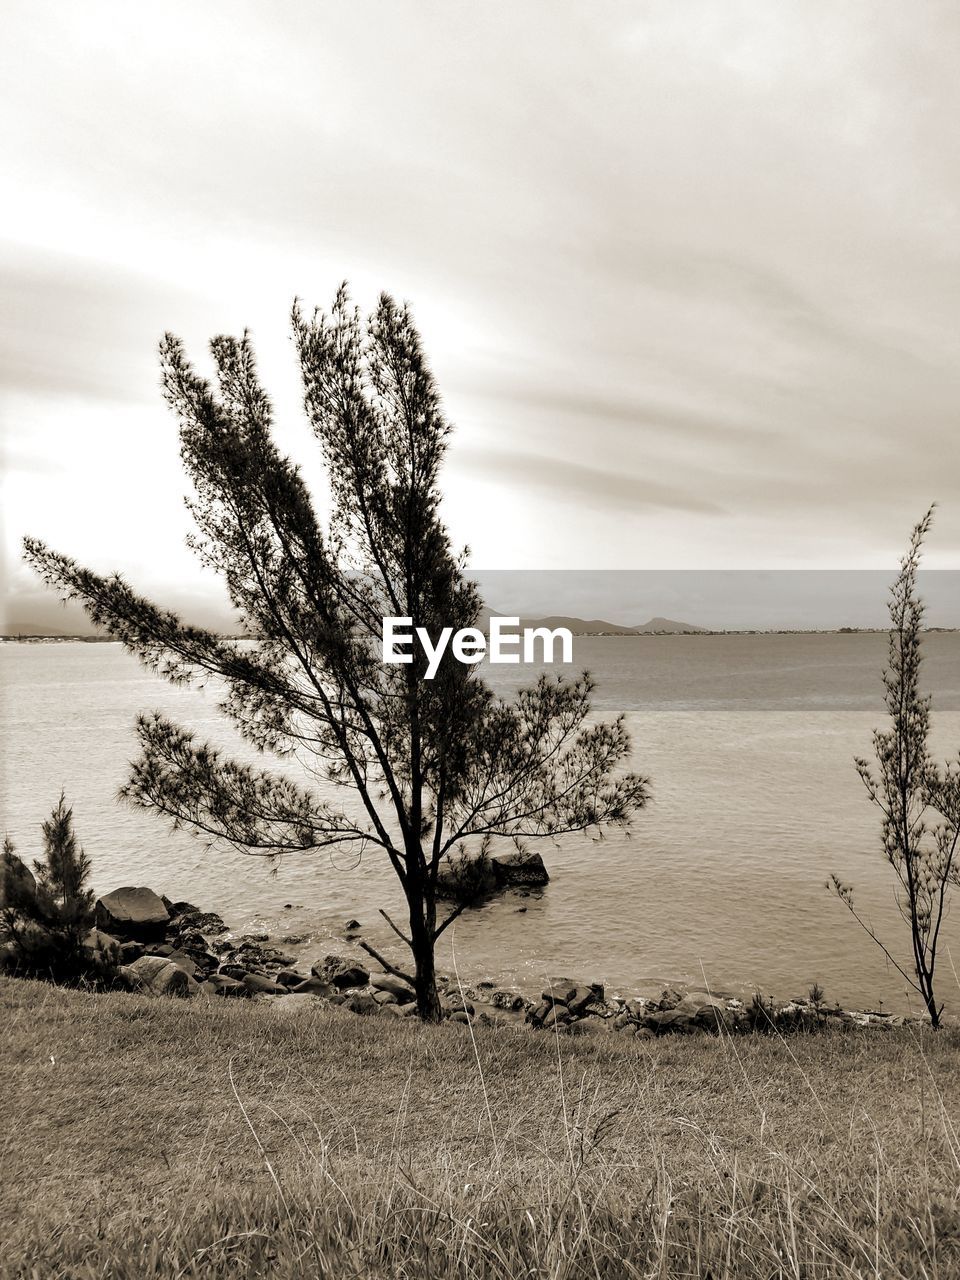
[{"x": 749, "y": 743}]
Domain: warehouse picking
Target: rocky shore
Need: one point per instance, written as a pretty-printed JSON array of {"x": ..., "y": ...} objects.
[{"x": 165, "y": 948}]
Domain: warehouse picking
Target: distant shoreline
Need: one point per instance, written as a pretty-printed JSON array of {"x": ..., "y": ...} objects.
[{"x": 584, "y": 635}]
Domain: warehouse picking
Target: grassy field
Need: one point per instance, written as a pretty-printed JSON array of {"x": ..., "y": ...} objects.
[{"x": 145, "y": 1138}]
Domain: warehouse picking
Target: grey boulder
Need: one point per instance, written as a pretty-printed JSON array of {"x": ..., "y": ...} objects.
[{"x": 133, "y": 913}]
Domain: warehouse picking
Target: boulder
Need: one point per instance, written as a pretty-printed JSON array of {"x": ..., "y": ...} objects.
[
  {"x": 361, "y": 1004},
  {"x": 101, "y": 948},
  {"x": 514, "y": 869},
  {"x": 222, "y": 985},
  {"x": 385, "y": 997},
  {"x": 537, "y": 1013},
  {"x": 589, "y": 1027},
  {"x": 396, "y": 986},
  {"x": 704, "y": 1009},
  {"x": 586, "y": 996},
  {"x": 155, "y": 975},
  {"x": 557, "y": 1014},
  {"x": 17, "y": 882},
  {"x": 176, "y": 909},
  {"x": 295, "y": 1004},
  {"x": 207, "y": 922},
  {"x": 341, "y": 973},
  {"x": 560, "y": 990},
  {"x": 455, "y": 1003},
  {"x": 132, "y": 913},
  {"x": 509, "y": 1000},
  {"x": 666, "y": 1020},
  {"x": 184, "y": 962},
  {"x": 288, "y": 977},
  {"x": 258, "y": 984},
  {"x": 313, "y": 987}
]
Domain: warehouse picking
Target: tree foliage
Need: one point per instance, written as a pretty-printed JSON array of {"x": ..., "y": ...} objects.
[
  {"x": 919, "y": 802},
  {"x": 439, "y": 765},
  {"x": 45, "y": 914}
]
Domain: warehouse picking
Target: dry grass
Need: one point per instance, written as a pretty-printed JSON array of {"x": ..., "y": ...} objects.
[{"x": 145, "y": 1138}]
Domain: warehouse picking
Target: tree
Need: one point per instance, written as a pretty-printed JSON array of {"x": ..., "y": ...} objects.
[
  {"x": 45, "y": 914},
  {"x": 437, "y": 765},
  {"x": 919, "y": 803}
]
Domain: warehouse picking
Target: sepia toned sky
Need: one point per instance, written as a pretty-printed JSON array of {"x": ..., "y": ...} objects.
[{"x": 688, "y": 274}]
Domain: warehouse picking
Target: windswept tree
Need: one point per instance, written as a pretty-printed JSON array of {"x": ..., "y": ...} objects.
[
  {"x": 442, "y": 766},
  {"x": 919, "y": 802}
]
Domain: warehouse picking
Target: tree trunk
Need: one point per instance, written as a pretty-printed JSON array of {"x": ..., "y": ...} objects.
[
  {"x": 428, "y": 998},
  {"x": 422, "y": 943}
]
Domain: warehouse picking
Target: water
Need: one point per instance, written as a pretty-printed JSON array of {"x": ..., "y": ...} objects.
[{"x": 749, "y": 742}]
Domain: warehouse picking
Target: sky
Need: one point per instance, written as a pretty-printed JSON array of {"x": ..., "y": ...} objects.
[{"x": 687, "y": 274}]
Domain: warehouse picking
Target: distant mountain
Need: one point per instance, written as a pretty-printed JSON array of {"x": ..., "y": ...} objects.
[
  {"x": 667, "y": 626},
  {"x": 598, "y": 627}
]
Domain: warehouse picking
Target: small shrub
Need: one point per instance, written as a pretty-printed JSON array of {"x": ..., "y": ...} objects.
[{"x": 46, "y": 913}]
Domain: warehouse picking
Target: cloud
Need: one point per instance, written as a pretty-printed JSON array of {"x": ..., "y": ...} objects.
[
  {"x": 588, "y": 486},
  {"x": 692, "y": 261}
]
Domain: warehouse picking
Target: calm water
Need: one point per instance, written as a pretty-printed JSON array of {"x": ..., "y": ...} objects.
[{"x": 749, "y": 742}]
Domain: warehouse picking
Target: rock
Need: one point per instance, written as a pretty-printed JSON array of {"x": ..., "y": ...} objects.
[
  {"x": 589, "y": 1027},
  {"x": 352, "y": 924},
  {"x": 176, "y": 909},
  {"x": 666, "y": 1020},
  {"x": 130, "y": 951},
  {"x": 361, "y": 1004},
  {"x": 455, "y": 1003},
  {"x": 509, "y": 1000},
  {"x": 622, "y": 1020},
  {"x": 132, "y": 913},
  {"x": 101, "y": 949},
  {"x": 258, "y": 984},
  {"x": 203, "y": 921},
  {"x": 557, "y": 1014},
  {"x": 670, "y": 998},
  {"x": 537, "y": 1014},
  {"x": 585, "y": 996},
  {"x": 341, "y": 973},
  {"x": 705, "y": 1009},
  {"x": 460, "y": 1015},
  {"x": 156, "y": 975},
  {"x": 295, "y": 1004},
  {"x": 294, "y": 939},
  {"x": 18, "y": 884},
  {"x": 183, "y": 962},
  {"x": 385, "y": 997},
  {"x": 225, "y": 986},
  {"x": 314, "y": 987},
  {"x": 396, "y": 986},
  {"x": 519, "y": 869},
  {"x": 394, "y": 1010},
  {"x": 559, "y": 990},
  {"x": 289, "y": 977},
  {"x": 235, "y": 971}
]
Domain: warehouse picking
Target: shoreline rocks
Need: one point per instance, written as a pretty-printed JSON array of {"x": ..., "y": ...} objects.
[{"x": 165, "y": 948}]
